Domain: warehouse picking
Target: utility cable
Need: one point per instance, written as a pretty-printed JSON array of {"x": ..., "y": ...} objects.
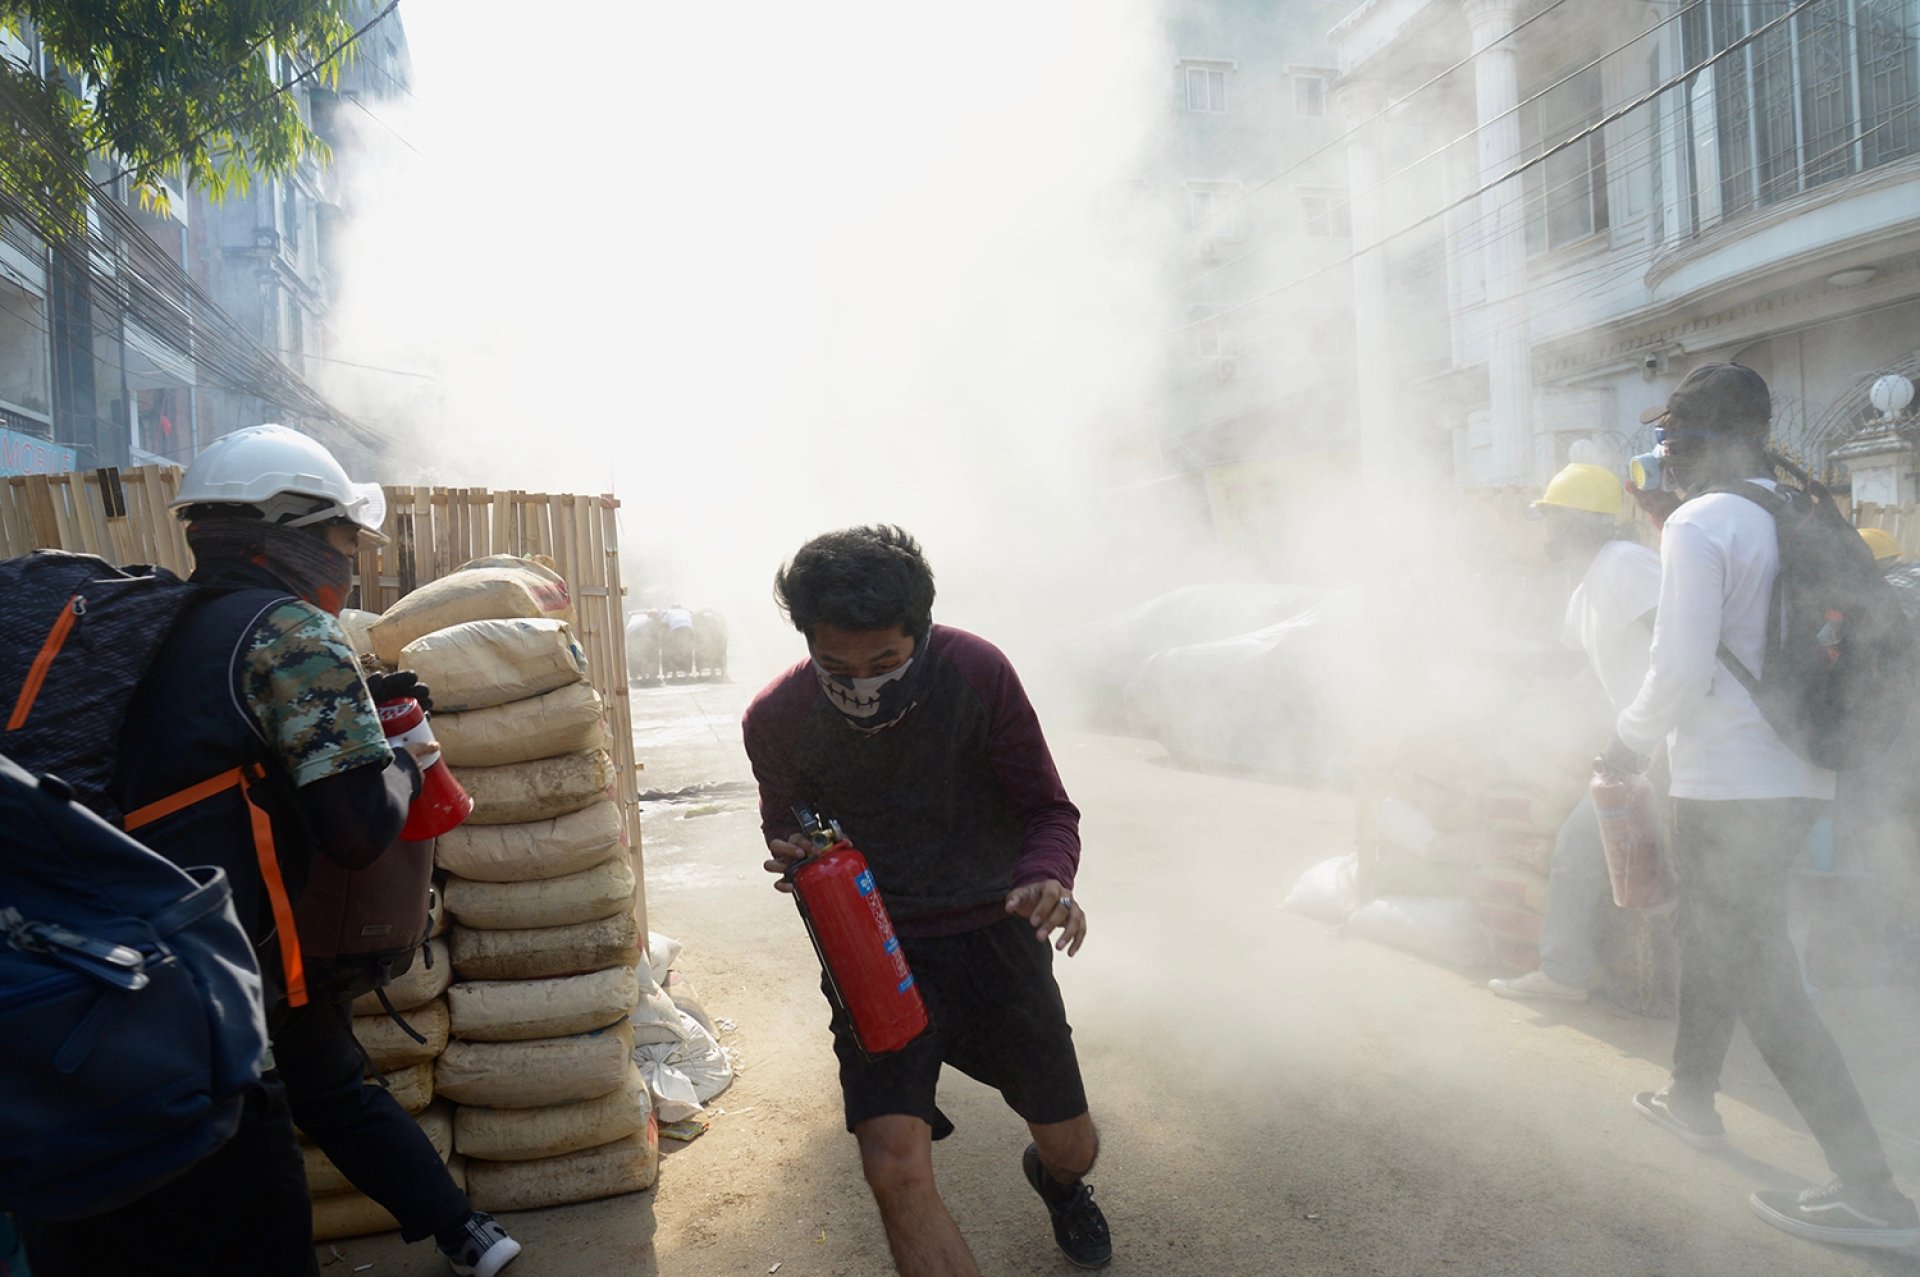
[
  {"x": 287, "y": 87},
  {"x": 1470, "y": 134},
  {"x": 1381, "y": 114},
  {"x": 249, "y": 360},
  {"x": 1518, "y": 169}
]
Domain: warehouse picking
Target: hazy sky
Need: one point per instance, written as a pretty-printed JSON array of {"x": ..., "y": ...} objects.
[{"x": 761, "y": 268}]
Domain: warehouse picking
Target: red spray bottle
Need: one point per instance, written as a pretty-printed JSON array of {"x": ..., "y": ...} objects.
[{"x": 853, "y": 935}]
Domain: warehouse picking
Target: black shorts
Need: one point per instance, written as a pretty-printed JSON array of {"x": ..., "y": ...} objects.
[{"x": 996, "y": 1016}]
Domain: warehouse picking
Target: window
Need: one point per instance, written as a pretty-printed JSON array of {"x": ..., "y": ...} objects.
[
  {"x": 1326, "y": 213},
  {"x": 1206, "y": 82},
  {"x": 1213, "y": 337},
  {"x": 1834, "y": 90},
  {"x": 1566, "y": 195},
  {"x": 1214, "y": 210},
  {"x": 290, "y": 214},
  {"x": 1311, "y": 90}
]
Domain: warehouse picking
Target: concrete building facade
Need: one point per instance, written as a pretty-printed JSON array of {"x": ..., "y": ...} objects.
[
  {"x": 1589, "y": 200},
  {"x": 125, "y": 347},
  {"x": 1247, "y": 192}
]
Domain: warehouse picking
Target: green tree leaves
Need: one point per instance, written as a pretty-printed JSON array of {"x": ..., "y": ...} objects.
[{"x": 161, "y": 89}]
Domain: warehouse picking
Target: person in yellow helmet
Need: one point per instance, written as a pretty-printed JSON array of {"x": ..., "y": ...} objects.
[
  {"x": 1608, "y": 619},
  {"x": 1886, "y": 550},
  {"x": 1581, "y": 508}
]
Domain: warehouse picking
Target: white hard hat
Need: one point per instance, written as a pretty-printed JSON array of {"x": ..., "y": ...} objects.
[{"x": 282, "y": 473}]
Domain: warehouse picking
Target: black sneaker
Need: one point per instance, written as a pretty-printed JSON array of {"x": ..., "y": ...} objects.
[
  {"x": 1693, "y": 1122},
  {"x": 1079, "y": 1228},
  {"x": 1874, "y": 1217},
  {"x": 483, "y": 1249}
]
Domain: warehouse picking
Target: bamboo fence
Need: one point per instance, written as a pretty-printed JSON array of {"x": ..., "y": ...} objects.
[{"x": 122, "y": 516}]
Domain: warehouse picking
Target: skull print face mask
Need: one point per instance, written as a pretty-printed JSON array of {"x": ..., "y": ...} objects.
[{"x": 871, "y": 704}]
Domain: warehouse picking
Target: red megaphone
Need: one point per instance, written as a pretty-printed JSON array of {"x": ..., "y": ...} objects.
[{"x": 442, "y": 804}]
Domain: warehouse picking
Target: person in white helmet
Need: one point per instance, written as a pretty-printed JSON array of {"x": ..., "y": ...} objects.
[{"x": 258, "y": 678}]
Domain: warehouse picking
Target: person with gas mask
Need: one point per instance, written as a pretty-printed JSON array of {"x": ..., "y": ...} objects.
[
  {"x": 920, "y": 740},
  {"x": 1743, "y": 803},
  {"x": 1609, "y": 618}
]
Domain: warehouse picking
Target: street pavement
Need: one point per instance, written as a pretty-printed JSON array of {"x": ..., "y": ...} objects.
[{"x": 1272, "y": 1098}]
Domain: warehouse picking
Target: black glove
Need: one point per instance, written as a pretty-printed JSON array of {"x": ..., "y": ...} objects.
[
  {"x": 387, "y": 687},
  {"x": 1620, "y": 761}
]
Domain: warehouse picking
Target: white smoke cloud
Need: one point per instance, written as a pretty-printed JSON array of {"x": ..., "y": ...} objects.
[{"x": 763, "y": 271}]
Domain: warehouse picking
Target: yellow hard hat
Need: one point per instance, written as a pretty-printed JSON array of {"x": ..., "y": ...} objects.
[
  {"x": 1885, "y": 548},
  {"x": 1580, "y": 486}
]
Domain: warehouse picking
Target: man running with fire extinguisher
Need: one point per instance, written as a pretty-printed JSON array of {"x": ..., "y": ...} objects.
[{"x": 920, "y": 741}]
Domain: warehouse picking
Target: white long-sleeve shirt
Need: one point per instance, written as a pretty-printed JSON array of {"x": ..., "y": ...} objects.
[
  {"x": 1719, "y": 555},
  {"x": 1606, "y": 617}
]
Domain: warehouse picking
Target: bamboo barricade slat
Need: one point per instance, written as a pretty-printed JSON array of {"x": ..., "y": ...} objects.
[{"x": 122, "y": 516}]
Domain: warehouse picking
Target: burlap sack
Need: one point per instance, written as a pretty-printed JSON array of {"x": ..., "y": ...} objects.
[
  {"x": 566, "y": 720},
  {"x": 515, "y": 793},
  {"x": 537, "y": 1073},
  {"x": 485, "y": 663},
  {"x": 424, "y": 981},
  {"x": 539, "y": 849},
  {"x": 390, "y": 1047},
  {"x": 599, "y": 892},
  {"x": 624, "y": 1166},
  {"x": 515, "y": 589},
  {"x": 521, "y": 1135},
  {"x": 535, "y": 953},
  {"x": 521, "y": 1010}
]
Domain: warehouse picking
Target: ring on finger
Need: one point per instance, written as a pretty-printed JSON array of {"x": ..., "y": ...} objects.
[{"x": 1065, "y": 902}]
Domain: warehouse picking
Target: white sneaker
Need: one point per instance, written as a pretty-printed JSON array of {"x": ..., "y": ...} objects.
[
  {"x": 1537, "y": 984},
  {"x": 484, "y": 1249}
]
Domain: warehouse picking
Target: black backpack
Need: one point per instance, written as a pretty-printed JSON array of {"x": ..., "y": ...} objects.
[
  {"x": 76, "y": 638},
  {"x": 131, "y": 1024},
  {"x": 1837, "y": 682}
]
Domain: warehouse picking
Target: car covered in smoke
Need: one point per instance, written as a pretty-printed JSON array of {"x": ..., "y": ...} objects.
[
  {"x": 1092, "y": 665},
  {"x": 1280, "y": 700}
]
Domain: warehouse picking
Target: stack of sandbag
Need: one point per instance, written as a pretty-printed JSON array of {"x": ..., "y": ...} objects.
[
  {"x": 1546, "y": 755},
  {"x": 405, "y": 1067},
  {"x": 545, "y": 948}
]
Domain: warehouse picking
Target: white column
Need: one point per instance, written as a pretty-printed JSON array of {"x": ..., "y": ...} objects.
[
  {"x": 1496, "y": 83},
  {"x": 1382, "y": 448}
]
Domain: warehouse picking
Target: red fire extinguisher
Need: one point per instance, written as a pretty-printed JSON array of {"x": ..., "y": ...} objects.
[
  {"x": 851, "y": 932},
  {"x": 1630, "y": 834}
]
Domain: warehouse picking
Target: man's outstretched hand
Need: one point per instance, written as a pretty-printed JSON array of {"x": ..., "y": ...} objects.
[{"x": 1048, "y": 905}]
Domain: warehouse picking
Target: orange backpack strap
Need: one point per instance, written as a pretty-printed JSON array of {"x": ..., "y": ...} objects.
[
  {"x": 37, "y": 673},
  {"x": 264, "y": 851}
]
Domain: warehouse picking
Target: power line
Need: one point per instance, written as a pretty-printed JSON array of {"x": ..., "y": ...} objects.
[
  {"x": 1478, "y": 128},
  {"x": 279, "y": 89},
  {"x": 1518, "y": 169},
  {"x": 1381, "y": 114},
  {"x": 368, "y": 112},
  {"x": 234, "y": 355}
]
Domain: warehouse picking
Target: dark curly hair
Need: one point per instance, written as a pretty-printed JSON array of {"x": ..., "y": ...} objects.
[{"x": 867, "y": 578}]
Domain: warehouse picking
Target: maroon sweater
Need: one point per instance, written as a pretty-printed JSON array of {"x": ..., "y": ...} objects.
[{"x": 953, "y": 806}]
